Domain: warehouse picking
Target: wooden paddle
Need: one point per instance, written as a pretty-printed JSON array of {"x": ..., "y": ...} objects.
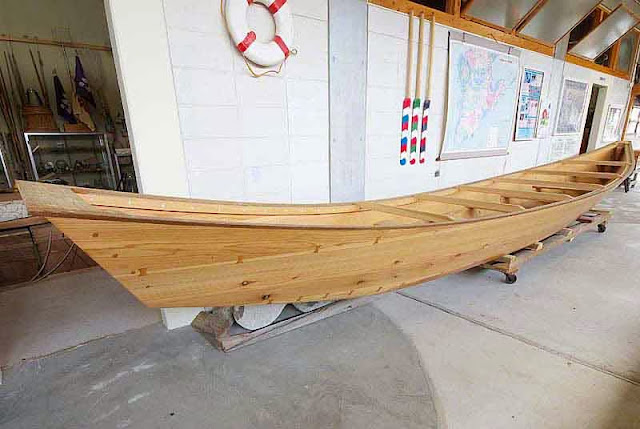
[
  {"x": 427, "y": 100},
  {"x": 417, "y": 105},
  {"x": 406, "y": 103}
]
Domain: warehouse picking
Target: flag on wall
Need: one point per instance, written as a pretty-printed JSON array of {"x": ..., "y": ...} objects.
[
  {"x": 83, "y": 97},
  {"x": 62, "y": 102},
  {"x": 83, "y": 90}
]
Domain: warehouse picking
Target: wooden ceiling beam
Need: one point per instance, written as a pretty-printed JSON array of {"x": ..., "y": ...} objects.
[
  {"x": 462, "y": 24},
  {"x": 465, "y": 7},
  {"x": 453, "y": 7},
  {"x": 528, "y": 16},
  {"x": 498, "y": 35}
]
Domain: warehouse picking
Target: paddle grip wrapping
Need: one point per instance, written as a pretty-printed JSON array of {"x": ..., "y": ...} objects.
[
  {"x": 425, "y": 124},
  {"x": 404, "y": 139},
  {"x": 415, "y": 131}
]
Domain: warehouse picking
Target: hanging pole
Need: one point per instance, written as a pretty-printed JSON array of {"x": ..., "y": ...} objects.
[
  {"x": 406, "y": 103},
  {"x": 18, "y": 78},
  {"x": 43, "y": 90},
  {"x": 427, "y": 100},
  {"x": 44, "y": 79},
  {"x": 417, "y": 104}
]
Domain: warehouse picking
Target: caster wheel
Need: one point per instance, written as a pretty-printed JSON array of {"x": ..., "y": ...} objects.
[
  {"x": 510, "y": 278},
  {"x": 602, "y": 227}
]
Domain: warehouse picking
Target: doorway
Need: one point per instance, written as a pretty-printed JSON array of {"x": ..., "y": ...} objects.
[{"x": 595, "y": 111}]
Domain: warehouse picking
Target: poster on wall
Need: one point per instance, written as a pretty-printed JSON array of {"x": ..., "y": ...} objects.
[
  {"x": 572, "y": 103},
  {"x": 545, "y": 122},
  {"x": 612, "y": 125},
  {"x": 564, "y": 147},
  {"x": 529, "y": 104},
  {"x": 482, "y": 98}
]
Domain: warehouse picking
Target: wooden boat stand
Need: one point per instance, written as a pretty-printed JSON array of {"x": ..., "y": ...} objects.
[
  {"x": 510, "y": 264},
  {"x": 218, "y": 326}
]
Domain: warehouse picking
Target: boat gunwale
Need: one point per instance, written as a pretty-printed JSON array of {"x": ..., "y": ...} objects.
[{"x": 122, "y": 217}]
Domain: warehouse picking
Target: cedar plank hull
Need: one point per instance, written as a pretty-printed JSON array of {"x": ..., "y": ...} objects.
[
  {"x": 196, "y": 266},
  {"x": 172, "y": 252}
]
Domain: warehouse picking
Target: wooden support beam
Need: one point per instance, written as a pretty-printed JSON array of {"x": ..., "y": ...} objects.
[
  {"x": 537, "y": 246},
  {"x": 512, "y": 193},
  {"x": 465, "y": 7},
  {"x": 585, "y": 174},
  {"x": 472, "y": 204},
  {"x": 464, "y": 24},
  {"x": 529, "y": 16},
  {"x": 499, "y": 35},
  {"x": 453, "y": 7},
  {"x": 615, "y": 53},
  {"x": 574, "y": 59},
  {"x": 544, "y": 184},
  {"x": 49, "y": 42},
  {"x": 415, "y": 214}
]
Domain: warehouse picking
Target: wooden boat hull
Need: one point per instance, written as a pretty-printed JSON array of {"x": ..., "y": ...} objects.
[{"x": 173, "y": 263}]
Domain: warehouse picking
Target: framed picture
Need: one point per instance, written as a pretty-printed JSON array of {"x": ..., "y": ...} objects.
[
  {"x": 572, "y": 104},
  {"x": 528, "y": 104},
  {"x": 613, "y": 123}
]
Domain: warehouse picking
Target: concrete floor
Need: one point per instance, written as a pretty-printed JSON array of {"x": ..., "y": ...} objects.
[
  {"x": 353, "y": 370},
  {"x": 558, "y": 349},
  {"x": 66, "y": 310}
]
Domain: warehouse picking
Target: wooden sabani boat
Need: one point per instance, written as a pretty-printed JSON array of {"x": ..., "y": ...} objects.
[{"x": 173, "y": 252}]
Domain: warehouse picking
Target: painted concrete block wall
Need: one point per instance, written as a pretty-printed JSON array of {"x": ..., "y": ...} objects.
[
  {"x": 249, "y": 139},
  {"x": 386, "y": 68},
  {"x": 347, "y": 98}
]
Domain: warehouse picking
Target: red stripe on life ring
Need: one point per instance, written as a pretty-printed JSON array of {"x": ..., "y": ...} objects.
[
  {"x": 248, "y": 40},
  {"x": 282, "y": 45},
  {"x": 276, "y": 5},
  {"x": 250, "y": 2}
]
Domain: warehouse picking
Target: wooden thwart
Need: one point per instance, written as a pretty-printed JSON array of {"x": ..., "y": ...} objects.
[
  {"x": 472, "y": 204},
  {"x": 525, "y": 195},
  {"x": 546, "y": 184},
  {"x": 587, "y": 174},
  {"x": 415, "y": 214},
  {"x": 511, "y": 263},
  {"x": 597, "y": 162}
]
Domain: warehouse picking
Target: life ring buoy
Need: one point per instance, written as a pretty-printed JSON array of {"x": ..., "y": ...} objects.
[{"x": 263, "y": 54}]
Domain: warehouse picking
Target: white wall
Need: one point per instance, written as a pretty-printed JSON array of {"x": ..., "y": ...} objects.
[
  {"x": 267, "y": 139},
  {"x": 244, "y": 138},
  {"x": 385, "y": 177}
]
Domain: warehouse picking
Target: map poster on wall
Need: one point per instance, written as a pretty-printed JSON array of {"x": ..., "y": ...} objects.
[
  {"x": 612, "y": 124},
  {"x": 574, "y": 97},
  {"x": 529, "y": 104},
  {"x": 482, "y": 98}
]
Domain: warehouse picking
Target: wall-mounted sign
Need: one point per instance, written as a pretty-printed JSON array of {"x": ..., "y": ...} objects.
[
  {"x": 612, "y": 124},
  {"x": 545, "y": 122},
  {"x": 529, "y": 104},
  {"x": 572, "y": 103}
]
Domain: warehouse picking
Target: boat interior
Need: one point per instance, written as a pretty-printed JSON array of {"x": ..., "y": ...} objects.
[{"x": 553, "y": 183}]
